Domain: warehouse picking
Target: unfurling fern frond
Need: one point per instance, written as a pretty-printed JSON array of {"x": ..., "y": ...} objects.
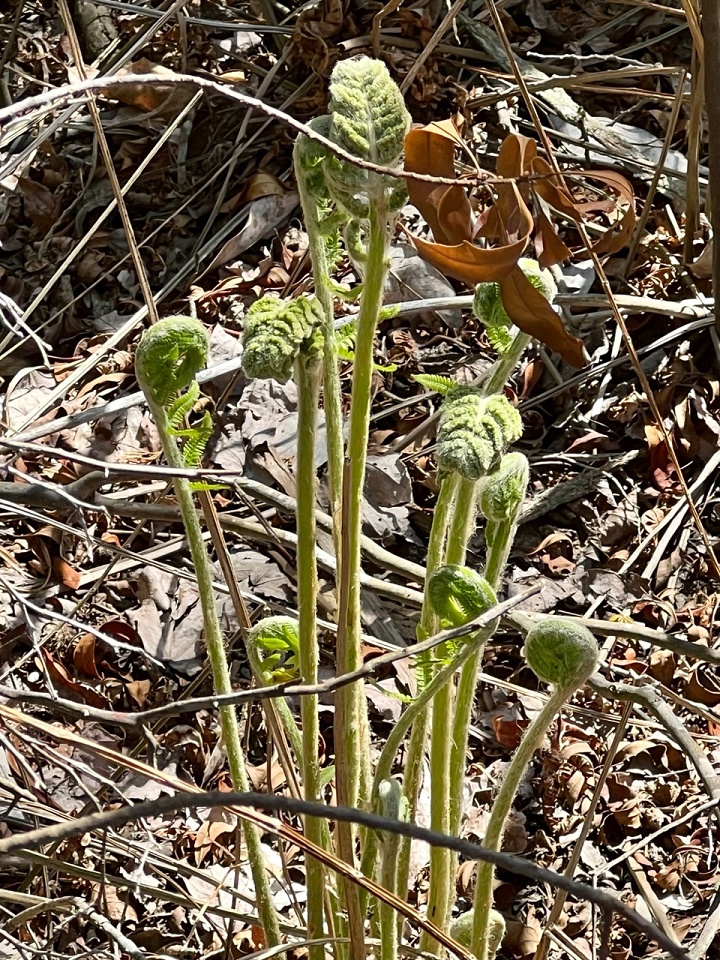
[
  {"x": 457, "y": 595},
  {"x": 474, "y": 432},
  {"x": 182, "y": 405},
  {"x": 167, "y": 360},
  {"x": 274, "y": 333},
  {"x": 169, "y": 356},
  {"x": 197, "y": 438},
  {"x": 275, "y": 645},
  {"x": 367, "y": 119},
  {"x": 367, "y": 111},
  {"x": 435, "y": 383}
]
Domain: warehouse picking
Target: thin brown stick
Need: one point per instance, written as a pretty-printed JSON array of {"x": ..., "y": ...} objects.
[{"x": 114, "y": 819}]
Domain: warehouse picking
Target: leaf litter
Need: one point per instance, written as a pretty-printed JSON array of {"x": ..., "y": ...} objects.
[{"x": 644, "y": 835}]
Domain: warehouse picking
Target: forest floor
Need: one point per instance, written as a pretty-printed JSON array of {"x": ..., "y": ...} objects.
[{"x": 99, "y": 608}]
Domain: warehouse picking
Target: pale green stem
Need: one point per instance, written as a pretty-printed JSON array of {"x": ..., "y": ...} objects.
[
  {"x": 505, "y": 364},
  {"x": 499, "y": 536},
  {"x": 332, "y": 398},
  {"x": 220, "y": 671},
  {"x": 463, "y": 525},
  {"x": 501, "y": 809},
  {"x": 442, "y": 873},
  {"x": 409, "y": 716},
  {"x": 352, "y": 750},
  {"x": 356, "y": 761},
  {"x": 307, "y": 377},
  {"x": 498, "y": 546},
  {"x": 412, "y": 776},
  {"x": 391, "y": 806}
]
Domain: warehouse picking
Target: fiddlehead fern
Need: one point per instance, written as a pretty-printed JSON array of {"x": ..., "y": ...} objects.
[
  {"x": 459, "y": 595},
  {"x": 564, "y": 653},
  {"x": 167, "y": 360},
  {"x": 275, "y": 642},
  {"x": 274, "y": 333},
  {"x": 461, "y": 930},
  {"x": 561, "y": 652},
  {"x": 474, "y": 432},
  {"x": 169, "y": 357},
  {"x": 503, "y": 491}
]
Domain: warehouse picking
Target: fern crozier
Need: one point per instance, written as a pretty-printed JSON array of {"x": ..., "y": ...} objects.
[
  {"x": 561, "y": 652},
  {"x": 503, "y": 491},
  {"x": 368, "y": 115},
  {"x": 474, "y": 432},
  {"x": 169, "y": 356},
  {"x": 458, "y": 594},
  {"x": 274, "y": 333}
]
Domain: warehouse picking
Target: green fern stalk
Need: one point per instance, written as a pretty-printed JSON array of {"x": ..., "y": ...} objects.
[
  {"x": 280, "y": 337},
  {"x": 332, "y": 399},
  {"x": 442, "y": 861},
  {"x": 166, "y": 362},
  {"x": 391, "y": 803},
  {"x": 564, "y": 654},
  {"x": 501, "y": 497},
  {"x": 367, "y": 118},
  {"x": 307, "y": 378},
  {"x": 420, "y": 716},
  {"x": 354, "y": 765}
]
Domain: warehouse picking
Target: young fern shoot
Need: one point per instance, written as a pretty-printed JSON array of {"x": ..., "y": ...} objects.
[
  {"x": 280, "y": 338},
  {"x": 167, "y": 359},
  {"x": 473, "y": 433},
  {"x": 509, "y": 342},
  {"x": 501, "y": 496},
  {"x": 564, "y": 654},
  {"x": 367, "y": 118}
]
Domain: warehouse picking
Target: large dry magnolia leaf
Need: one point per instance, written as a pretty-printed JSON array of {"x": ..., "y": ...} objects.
[
  {"x": 533, "y": 314},
  {"x": 446, "y": 209},
  {"x": 509, "y": 224}
]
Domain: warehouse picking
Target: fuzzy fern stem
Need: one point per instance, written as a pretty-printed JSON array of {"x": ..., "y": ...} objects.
[
  {"x": 429, "y": 623},
  {"x": 354, "y": 766},
  {"x": 307, "y": 378},
  {"x": 391, "y": 803},
  {"x": 332, "y": 399},
  {"x": 442, "y": 862},
  {"x": 162, "y": 354},
  {"x": 352, "y": 754},
  {"x": 562, "y": 653}
]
